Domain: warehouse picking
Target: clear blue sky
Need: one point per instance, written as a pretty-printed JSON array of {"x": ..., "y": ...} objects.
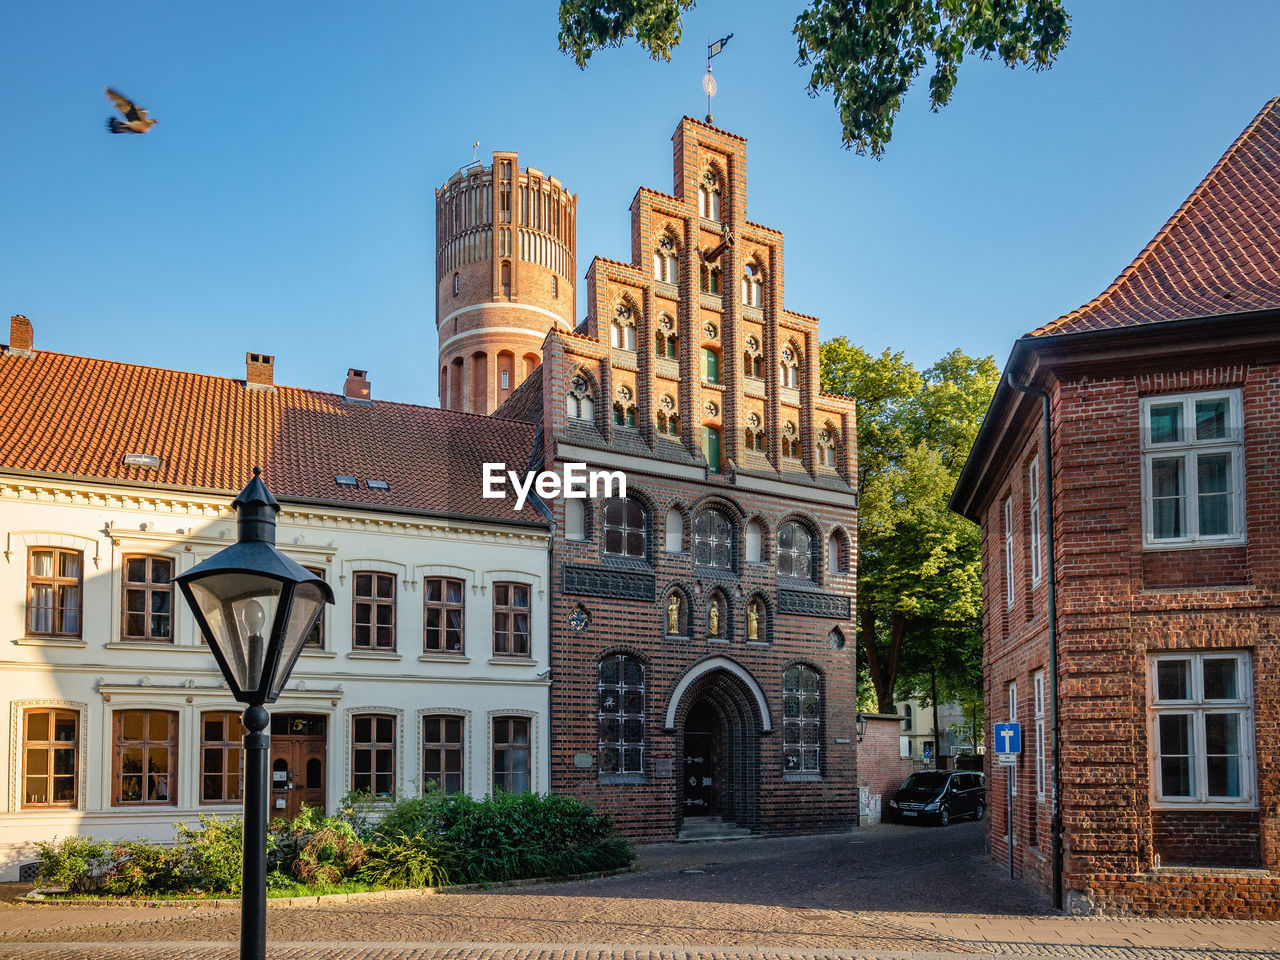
[{"x": 285, "y": 202}]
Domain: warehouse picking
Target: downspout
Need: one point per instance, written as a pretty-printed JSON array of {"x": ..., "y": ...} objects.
[
  {"x": 537, "y": 460},
  {"x": 1056, "y": 822}
]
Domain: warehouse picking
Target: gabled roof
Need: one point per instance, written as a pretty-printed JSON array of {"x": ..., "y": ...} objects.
[
  {"x": 1218, "y": 254},
  {"x": 76, "y": 416}
]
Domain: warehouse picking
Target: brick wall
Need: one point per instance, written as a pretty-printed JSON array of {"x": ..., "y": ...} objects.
[{"x": 880, "y": 767}]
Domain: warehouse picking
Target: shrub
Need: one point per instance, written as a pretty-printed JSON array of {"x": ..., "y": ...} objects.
[
  {"x": 141, "y": 868},
  {"x": 407, "y": 861},
  {"x": 209, "y": 855},
  {"x": 331, "y": 854},
  {"x": 77, "y": 864}
]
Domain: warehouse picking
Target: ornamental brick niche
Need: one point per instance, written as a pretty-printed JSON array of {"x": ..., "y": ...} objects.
[{"x": 505, "y": 261}]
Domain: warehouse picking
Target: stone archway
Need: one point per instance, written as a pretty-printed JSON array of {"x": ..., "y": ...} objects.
[{"x": 718, "y": 714}]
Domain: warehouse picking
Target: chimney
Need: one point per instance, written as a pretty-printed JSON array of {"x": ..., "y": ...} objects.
[
  {"x": 20, "y": 337},
  {"x": 356, "y": 389},
  {"x": 259, "y": 370}
]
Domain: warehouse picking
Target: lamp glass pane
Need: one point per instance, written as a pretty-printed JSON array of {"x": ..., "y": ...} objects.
[
  {"x": 308, "y": 601},
  {"x": 240, "y": 609}
]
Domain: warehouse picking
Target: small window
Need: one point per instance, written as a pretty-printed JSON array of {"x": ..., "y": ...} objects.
[
  {"x": 675, "y": 531},
  {"x": 713, "y": 540},
  {"x": 754, "y": 535},
  {"x": 510, "y": 620},
  {"x": 512, "y": 768},
  {"x": 1202, "y": 728},
  {"x": 442, "y": 752},
  {"x": 345, "y": 480},
  {"x": 53, "y": 592},
  {"x": 373, "y": 754},
  {"x": 795, "y": 550},
  {"x": 1008, "y": 552},
  {"x": 315, "y": 639},
  {"x": 801, "y": 720},
  {"x": 374, "y": 605},
  {"x": 1033, "y": 504},
  {"x": 575, "y": 521},
  {"x": 378, "y": 485},
  {"x": 555, "y": 285},
  {"x": 456, "y": 284},
  {"x": 147, "y": 608},
  {"x": 506, "y": 380},
  {"x": 834, "y": 555},
  {"x": 50, "y": 758},
  {"x": 621, "y": 718},
  {"x": 579, "y": 402},
  {"x": 624, "y": 528},
  {"x": 442, "y": 609},
  {"x": 146, "y": 758},
  {"x": 221, "y": 771}
]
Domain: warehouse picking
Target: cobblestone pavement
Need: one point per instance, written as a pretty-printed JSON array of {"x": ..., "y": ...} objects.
[{"x": 881, "y": 892}]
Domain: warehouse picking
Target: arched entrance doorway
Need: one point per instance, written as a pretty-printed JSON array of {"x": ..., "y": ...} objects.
[{"x": 718, "y": 713}]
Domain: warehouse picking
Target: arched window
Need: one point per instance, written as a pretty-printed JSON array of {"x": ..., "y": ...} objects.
[
  {"x": 622, "y": 330},
  {"x": 711, "y": 279},
  {"x": 835, "y": 554},
  {"x": 506, "y": 279},
  {"x": 675, "y": 530},
  {"x": 624, "y": 528},
  {"x": 709, "y": 196},
  {"x": 827, "y": 445},
  {"x": 789, "y": 368},
  {"x": 752, "y": 284},
  {"x": 752, "y": 361},
  {"x": 665, "y": 340},
  {"x": 621, "y": 703},
  {"x": 624, "y": 408},
  {"x": 713, "y": 540},
  {"x": 801, "y": 720},
  {"x": 575, "y": 520},
  {"x": 753, "y": 433},
  {"x": 668, "y": 418},
  {"x": 579, "y": 401},
  {"x": 754, "y": 535},
  {"x": 666, "y": 259},
  {"x": 795, "y": 551},
  {"x": 790, "y": 441}
]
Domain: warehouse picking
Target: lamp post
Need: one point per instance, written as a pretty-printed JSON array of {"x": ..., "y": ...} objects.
[
  {"x": 236, "y": 594},
  {"x": 861, "y": 723}
]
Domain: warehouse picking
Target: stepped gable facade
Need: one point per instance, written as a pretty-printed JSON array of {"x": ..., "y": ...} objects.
[{"x": 702, "y": 626}]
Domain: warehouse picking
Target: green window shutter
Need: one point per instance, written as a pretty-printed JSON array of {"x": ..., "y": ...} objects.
[{"x": 711, "y": 448}]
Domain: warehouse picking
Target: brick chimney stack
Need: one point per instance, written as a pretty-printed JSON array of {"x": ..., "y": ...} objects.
[
  {"x": 259, "y": 370},
  {"x": 356, "y": 389},
  {"x": 20, "y": 336}
]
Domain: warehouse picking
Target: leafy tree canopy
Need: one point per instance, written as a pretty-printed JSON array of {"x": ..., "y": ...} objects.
[
  {"x": 919, "y": 564},
  {"x": 865, "y": 53}
]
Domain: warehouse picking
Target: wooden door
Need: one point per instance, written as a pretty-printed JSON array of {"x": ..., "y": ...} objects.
[{"x": 297, "y": 766}]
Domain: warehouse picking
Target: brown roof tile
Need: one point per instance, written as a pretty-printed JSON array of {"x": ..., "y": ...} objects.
[
  {"x": 78, "y": 416},
  {"x": 1218, "y": 254}
]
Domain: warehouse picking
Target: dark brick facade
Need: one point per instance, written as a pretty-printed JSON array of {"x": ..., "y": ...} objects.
[{"x": 727, "y": 689}]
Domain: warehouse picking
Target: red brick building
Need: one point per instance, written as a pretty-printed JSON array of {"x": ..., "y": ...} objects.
[
  {"x": 1148, "y": 569},
  {"x": 702, "y": 626}
]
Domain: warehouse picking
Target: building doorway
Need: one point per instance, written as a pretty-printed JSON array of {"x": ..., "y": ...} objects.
[
  {"x": 718, "y": 728},
  {"x": 299, "y": 747}
]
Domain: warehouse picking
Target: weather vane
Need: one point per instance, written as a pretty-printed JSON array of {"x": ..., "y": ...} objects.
[
  {"x": 709, "y": 82},
  {"x": 474, "y": 147}
]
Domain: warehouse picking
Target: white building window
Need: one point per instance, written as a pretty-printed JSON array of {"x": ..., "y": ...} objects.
[
  {"x": 1201, "y": 729},
  {"x": 1192, "y": 469},
  {"x": 1033, "y": 497},
  {"x": 506, "y": 380},
  {"x": 1042, "y": 764},
  {"x": 675, "y": 531},
  {"x": 575, "y": 526},
  {"x": 1008, "y": 552},
  {"x": 754, "y": 538}
]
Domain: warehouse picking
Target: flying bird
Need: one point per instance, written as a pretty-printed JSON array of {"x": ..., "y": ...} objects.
[{"x": 135, "y": 119}]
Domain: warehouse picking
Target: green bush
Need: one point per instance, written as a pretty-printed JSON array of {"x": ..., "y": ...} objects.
[
  {"x": 77, "y": 864},
  {"x": 331, "y": 854},
  {"x": 407, "y": 861},
  {"x": 143, "y": 868},
  {"x": 209, "y": 855}
]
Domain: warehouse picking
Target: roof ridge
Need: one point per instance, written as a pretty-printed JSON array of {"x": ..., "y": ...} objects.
[{"x": 1168, "y": 227}]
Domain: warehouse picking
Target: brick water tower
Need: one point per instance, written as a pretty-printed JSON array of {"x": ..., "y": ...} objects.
[{"x": 506, "y": 241}]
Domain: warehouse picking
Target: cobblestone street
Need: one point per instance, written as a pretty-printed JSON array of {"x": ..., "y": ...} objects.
[{"x": 885, "y": 891}]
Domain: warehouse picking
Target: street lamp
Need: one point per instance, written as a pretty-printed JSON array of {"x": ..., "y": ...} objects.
[
  {"x": 861, "y": 723},
  {"x": 235, "y": 595}
]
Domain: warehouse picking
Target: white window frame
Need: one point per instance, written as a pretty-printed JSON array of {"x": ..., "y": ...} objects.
[
  {"x": 1008, "y": 552},
  {"x": 1033, "y": 500},
  {"x": 1042, "y": 765},
  {"x": 1190, "y": 451},
  {"x": 1198, "y": 708}
]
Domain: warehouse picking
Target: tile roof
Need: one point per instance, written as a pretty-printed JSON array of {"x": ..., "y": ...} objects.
[
  {"x": 78, "y": 416},
  {"x": 1218, "y": 254}
]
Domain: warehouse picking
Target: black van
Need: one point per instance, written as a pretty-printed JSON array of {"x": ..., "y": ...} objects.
[{"x": 940, "y": 795}]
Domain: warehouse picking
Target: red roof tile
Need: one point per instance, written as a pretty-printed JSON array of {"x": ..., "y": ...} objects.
[
  {"x": 1218, "y": 254},
  {"x": 78, "y": 416}
]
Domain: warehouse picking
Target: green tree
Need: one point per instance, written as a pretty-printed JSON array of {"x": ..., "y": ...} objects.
[
  {"x": 919, "y": 565},
  {"x": 865, "y": 53}
]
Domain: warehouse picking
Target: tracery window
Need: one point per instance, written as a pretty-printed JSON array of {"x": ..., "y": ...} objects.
[
  {"x": 753, "y": 434},
  {"x": 827, "y": 445},
  {"x": 579, "y": 402},
  {"x": 801, "y": 720},
  {"x": 713, "y": 540},
  {"x": 789, "y": 368},
  {"x": 666, "y": 259},
  {"x": 622, "y": 329},
  {"x": 666, "y": 341},
  {"x": 790, "y": 441},
  {"x": 795, "y": 551},
  {"x": 752, "y": 361},
  {"x": 752, "y": 284},
  {"x": 621, "y": 705},
  {"x": 624, "y": 528},
  {"x": 624, "y": 408}
]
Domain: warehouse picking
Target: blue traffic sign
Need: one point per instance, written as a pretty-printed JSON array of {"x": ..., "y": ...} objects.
[{"x": 1008, "y": 737}]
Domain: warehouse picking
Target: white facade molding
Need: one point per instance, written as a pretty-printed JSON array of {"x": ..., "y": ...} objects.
[{"x": 710, "y": 665}]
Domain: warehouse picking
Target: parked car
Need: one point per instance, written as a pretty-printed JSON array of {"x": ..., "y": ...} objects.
[{"x": 940, "y": 795}]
